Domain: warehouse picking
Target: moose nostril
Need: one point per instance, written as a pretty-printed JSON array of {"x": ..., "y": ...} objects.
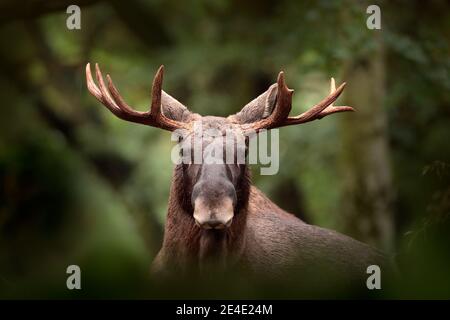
[{"x": 228, "y": 223}]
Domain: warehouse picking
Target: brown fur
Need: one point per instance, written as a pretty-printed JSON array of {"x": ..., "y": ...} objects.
[
  {"x": 185, "y": 245},
  {"x": 263, "y": 239}
]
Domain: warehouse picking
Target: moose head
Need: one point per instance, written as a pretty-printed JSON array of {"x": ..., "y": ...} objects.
[{"x": 213, "y": 192}]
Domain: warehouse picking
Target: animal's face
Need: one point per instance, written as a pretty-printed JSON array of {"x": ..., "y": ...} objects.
[
  {"x": 215, "y": 145},
  {"x": 213, "y": 162}
]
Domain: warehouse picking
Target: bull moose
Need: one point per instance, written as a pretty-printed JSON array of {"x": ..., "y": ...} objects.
[{"x": 214, "y": 211}]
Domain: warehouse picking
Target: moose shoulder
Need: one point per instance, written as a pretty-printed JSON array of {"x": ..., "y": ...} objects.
[
  {"x": 277, "y": 237},
  {"x": 215, "y": 215}
]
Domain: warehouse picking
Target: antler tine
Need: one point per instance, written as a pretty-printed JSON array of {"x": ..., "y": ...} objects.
[
  {"x": 332, "y": 88},
  {"x": 97, "y": 93},
  {"x": 92, "y": 87},
  {"x": 108, "y": 101},
  {"x": 155, "y": 109},
  {"x": 116, "y": 104},
  {"x": 280, "y": 113},
  {"x": 101, "y": 94},
  {"x": 323, "y": 108},
  {"x": 284, "y": 101},
  {"x": 322, "y": 105}
]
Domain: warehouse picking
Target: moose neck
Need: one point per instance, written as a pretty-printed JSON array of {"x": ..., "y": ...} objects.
[{"x": 186, "y": 243}]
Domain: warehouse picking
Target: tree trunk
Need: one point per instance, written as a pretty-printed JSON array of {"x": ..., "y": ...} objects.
[{"x": 367, "y": 183}]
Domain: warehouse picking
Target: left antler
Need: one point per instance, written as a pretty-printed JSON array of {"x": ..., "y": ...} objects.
[
  {"x": 115, "y": 103},
  {"x": 280, "y": 115}
]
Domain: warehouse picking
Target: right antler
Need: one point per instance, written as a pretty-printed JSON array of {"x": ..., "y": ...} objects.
[
  {"x": 115, "y": 103},
  {"x": 280, "y": 115}
]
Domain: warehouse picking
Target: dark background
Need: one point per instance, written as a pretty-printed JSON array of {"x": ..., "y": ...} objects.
[{"x": 78, "y": 186}]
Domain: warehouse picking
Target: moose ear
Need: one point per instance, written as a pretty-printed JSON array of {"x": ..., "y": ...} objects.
[
  {"x": 173, "y": 109},
  {"x": 259, "y": 108}
]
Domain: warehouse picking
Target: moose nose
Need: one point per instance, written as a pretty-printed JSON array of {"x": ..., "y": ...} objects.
[{"x": 214, "y": 224}]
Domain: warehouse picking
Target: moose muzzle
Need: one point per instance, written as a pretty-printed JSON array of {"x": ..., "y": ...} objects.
[{"x": 217, "y": 216}]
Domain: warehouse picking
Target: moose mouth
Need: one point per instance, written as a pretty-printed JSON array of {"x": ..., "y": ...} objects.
[{"x": 213, "y": 224}]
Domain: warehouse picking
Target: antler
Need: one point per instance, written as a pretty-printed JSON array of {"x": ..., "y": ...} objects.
[
  {"x": 115, "y": 103},
  {"x": 280, "y": 115}
]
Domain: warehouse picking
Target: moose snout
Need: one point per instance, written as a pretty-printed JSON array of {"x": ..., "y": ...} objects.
[{"x": 218, "y": 217}]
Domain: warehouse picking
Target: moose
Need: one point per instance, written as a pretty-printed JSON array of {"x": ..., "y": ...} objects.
[{"x": 214, "y": 211}]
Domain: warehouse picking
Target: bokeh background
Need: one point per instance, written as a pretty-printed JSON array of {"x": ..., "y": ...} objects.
[{"x": 78, "y": 186}]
